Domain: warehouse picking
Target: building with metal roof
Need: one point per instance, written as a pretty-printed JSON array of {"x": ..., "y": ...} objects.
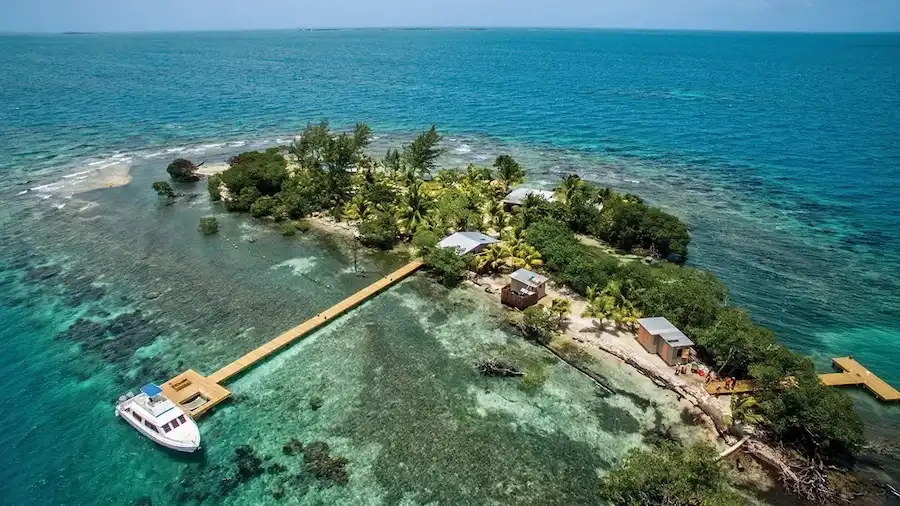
[
  {"x": 658, "y": 335},
  {"x": 517, "y": 196},
  {"x": 467, "y": 242},
  {"x": 528, "y": 279},
  {"x": 525, "y": 289}
]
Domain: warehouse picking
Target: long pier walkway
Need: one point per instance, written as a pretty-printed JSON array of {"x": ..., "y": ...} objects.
[
  {"x": 198, "y": 394},
  {"x": 853, "y": 374}
]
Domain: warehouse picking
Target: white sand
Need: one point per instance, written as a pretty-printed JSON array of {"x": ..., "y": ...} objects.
[
  {"x": 211, "y": 169},
  {"x": 111, "y": 175},
  {"x": 587, "y": 334}
]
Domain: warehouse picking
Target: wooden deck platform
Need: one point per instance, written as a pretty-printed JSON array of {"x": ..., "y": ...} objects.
[
  {"x": 853, "y": 374},
  {"x": 740, "y": 387},
  {"x": 189, "y": 389}
]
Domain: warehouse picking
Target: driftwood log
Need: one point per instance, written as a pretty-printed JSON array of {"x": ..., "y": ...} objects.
[
  {"x": 714, "y": 413},
  {"x": 806, "y": 478},
  {"x": 492, "y": 367}
]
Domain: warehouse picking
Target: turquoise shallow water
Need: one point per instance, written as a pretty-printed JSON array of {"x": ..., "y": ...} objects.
[{"x": 780, "y": 151}]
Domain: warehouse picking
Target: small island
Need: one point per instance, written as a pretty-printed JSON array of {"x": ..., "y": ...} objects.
[{"x": 610, "y": 261}]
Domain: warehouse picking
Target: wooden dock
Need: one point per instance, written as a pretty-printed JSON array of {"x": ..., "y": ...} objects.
[
  {"x": 854, "y": 374},
  {"x": 740, "y": 387},
  {"x": 197, "y": 394}
]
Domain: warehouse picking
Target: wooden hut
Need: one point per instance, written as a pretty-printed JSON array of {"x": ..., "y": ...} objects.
[
  {"x": 525, "y": 289},
  {"x": 658, "y": 335}
]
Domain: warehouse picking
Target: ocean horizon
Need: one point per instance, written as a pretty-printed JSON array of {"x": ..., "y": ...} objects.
[
  {"x": 455, "y": 28},
  {"x": 778, "y": 149}
]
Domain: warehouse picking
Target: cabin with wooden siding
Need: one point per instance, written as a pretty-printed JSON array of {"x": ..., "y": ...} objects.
[{"x": 657, "y": 335}]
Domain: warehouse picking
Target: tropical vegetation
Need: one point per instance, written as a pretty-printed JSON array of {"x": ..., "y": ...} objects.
[
  {"x": 808, "y": 416},
  {"x": 672, "y": 475},
  {"x": 182, "y": 170},
  {"x": 164, "y": 189},
  {"x": 404, "y": 196},
  {"x": 209, "y": 225}
]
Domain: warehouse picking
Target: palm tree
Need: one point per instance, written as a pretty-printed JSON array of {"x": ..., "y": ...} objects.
[
  {"x": 560, "y": 307},
  {"x": 358, "y": 209},
  {"x": 523, "y": 255},
  {"x": 476, "y": 175},
  {"x": 745, "y": 409},
  {"x": 631, "y": 319},
  {"x": 492, "y": 258},
  {"x": 413, "y": 214},
  {"x": 625, "y": 317},
  {"x": 591, "y": 293},
  {"x": 570, "y": 187},
  {"x": 599, "y": 308},
  {"x": 532, "y": 209},
  {"x": 513, "y": 235},
  {"x": 498, "y": 218},
  {"x": 447, "y": 177},
  {"x": 617, "y": 308},
  {"x": 509, "y": 172},
  {"x": 393, "y": 163}
]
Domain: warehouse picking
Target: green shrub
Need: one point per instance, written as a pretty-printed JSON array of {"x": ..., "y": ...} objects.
[
  {"x": 243, "y": 200},
  {"x": 292, "y": 227},
  {"x": 446, "y": 265},
  {"x": 182, "y": 170},
  {"x": 534, "y": 378},
  {"x": 209, "y": 225},
  {"x": 425, "y": 240},
  {"x": 578, "y": 266},
  {"x": 379, "y": 232},
  {"x": 264, "y": 206},
  {"x": 265, "y": 172},
  {"x": 163, "y": 189},
  {"x": 629, "y": 224},
  {"x": 539, "y": 323},
  {"x": 212, "y": 186},
  {"x": 670, "y": 474},
  {"x": 689, "y": 298},
  {"x": 817, "y": 419}
]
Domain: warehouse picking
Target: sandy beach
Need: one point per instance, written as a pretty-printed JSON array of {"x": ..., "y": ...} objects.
[
  {"x": 111, "y": 175},
  {"x": 604, "y": 343},
  {"x": 211, "y": 169}
]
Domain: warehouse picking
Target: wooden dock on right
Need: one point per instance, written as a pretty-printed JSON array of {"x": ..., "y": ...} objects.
[{"x": 854, "y": 374}]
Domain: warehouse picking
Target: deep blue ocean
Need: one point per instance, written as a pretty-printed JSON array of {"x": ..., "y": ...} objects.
[{"x": 781, "y": 152}]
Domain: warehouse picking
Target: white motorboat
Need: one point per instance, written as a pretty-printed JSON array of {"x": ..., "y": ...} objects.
[{"x": 159, "y": 419}]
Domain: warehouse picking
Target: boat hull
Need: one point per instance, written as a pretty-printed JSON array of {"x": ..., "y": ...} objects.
[{"x": 172, "y": 444}]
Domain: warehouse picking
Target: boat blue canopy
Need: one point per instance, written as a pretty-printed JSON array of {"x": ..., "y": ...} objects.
[{"x": 151, "y": 389}]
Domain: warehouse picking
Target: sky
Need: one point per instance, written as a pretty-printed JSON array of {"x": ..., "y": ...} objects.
[{"x": 166, "y": 15}]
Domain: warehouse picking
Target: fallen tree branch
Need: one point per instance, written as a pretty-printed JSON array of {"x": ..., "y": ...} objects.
[
  {"x": 494, "y": 367},
  {"x": 715, "y": 415},
  {"x": 806, "y": 478},
  {"x": 737, "y": 446}
]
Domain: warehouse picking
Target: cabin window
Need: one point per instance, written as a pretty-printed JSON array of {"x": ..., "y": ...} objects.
[
  {"x": 166, "y": 428},
  {"x": 136, "y": 416},
  {"x": 181, "y": 419},
  {"x": 151, "y": 426},
  {"x": 174, "y": 423}
]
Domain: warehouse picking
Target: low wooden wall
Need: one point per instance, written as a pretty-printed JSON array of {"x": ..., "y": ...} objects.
[{"x": 515, "y": 299}]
